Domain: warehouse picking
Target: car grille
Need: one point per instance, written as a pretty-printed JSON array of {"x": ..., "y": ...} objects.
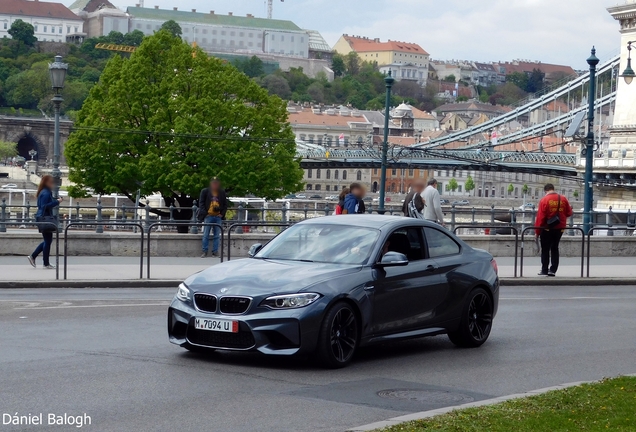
[
  {"x": 205, "y": 302},
  {"x": 241, "y": 340},
  {"x": 234, "y": 305}
]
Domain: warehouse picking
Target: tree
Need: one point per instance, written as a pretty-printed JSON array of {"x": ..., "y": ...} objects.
[
  {"x": 511, "y": 188},
  {"x": 172, "y": 27},
  {"x": 8, "y": 149},
  {"x": 576, "y": 194},
  {"x": 276, "y": 85},
  {"x": 450, "y": 78},
  {"x": 190, "y": 118},
  {"x": 338, "y": 65},
  {"x": 317, "y": 92},
  {"x": 535, "y": 81},
  {"x": 469, "y": 184},
  {"x": 133, "y": 38},
  {"x": 525, "y": 189},
  {"x": 519, "y": 79},
  {"x": 23, "y": 32},
  {"x": 452, "y": 185},
  {"x": 408, "y": 89},
  {"x": 352, "y": 63}
]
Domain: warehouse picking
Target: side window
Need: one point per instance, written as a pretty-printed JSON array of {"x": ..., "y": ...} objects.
[
  {"x": 439, "y": 243},
  {"x": 407, "y": 241}
]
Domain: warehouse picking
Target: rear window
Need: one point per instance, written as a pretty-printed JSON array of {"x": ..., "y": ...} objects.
[{"x": 439, "y": 243}]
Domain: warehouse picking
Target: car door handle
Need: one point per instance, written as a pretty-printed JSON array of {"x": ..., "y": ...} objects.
[
  {"x": 431, "y": 268},
  {"x": 369, "y": 287}
]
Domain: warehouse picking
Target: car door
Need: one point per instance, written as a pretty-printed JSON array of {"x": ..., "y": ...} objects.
[{"x": 402, "y": 295}]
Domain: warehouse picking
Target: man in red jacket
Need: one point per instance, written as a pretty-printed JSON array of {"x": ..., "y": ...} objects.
[{"x": 554, "y": 209}]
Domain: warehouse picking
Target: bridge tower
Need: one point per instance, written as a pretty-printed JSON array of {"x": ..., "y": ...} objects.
[{"x": 620, "y": 160}]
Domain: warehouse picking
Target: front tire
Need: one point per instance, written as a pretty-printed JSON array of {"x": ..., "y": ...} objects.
[
  {"x": 476, "y": 320},
  {"x": 338, "y": 339}
]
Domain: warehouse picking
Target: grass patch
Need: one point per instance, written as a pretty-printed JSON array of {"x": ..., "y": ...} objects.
[{"x": 608, "y": 405}]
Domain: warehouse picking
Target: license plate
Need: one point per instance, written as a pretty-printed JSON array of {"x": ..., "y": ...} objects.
[{"x": 219, "y": 325}]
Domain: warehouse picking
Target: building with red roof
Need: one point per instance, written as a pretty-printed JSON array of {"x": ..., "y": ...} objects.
[{"x": 50, "y": 21}]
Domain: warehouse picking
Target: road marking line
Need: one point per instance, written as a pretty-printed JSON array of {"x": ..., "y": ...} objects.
[{"x": 92, "y": 306}]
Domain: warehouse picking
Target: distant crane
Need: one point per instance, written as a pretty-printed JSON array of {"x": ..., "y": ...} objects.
[{"x": 270, "y": 8}]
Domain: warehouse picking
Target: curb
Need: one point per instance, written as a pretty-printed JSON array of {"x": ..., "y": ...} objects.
[
  {"x": 591, "y": 281},
  {"x": 436, "y": 412},
  {"x": 130, "y": 283}
]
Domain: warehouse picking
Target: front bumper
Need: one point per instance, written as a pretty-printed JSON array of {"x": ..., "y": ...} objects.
[{"x": 274, "y": 332}]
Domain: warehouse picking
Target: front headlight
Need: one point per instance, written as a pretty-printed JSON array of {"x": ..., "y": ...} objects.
[
  {"x": 290, "y": 301},
  {"x": 183, "y": 293}
]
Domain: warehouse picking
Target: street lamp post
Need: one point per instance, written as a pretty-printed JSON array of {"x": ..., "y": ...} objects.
[
  {"x": 628, "y": 74},
  {"x": 589, "y": 145},
  {"x": 388, "y": 81},
  {"x": 57, "y": 72}
]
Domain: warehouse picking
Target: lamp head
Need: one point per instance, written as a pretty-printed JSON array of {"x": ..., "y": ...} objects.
[
  {"x": 57, "y": 72},
  {"x": 628, "y": 74}
]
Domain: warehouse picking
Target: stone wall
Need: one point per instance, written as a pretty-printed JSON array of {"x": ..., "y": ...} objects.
[{"x": 184, "y": 245}]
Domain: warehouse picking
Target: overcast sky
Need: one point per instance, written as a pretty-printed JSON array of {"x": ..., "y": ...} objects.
[{"x": 553, "y": 31}]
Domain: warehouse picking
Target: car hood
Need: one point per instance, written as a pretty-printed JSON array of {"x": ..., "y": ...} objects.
[{"x": 255, "y": 277}]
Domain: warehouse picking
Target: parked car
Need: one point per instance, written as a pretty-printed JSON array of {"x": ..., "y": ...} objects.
[
  {"x": 290, "y": 196},
  {"x": 9, "y": 186},
  {"x": 301, "y": 196},
  {"x": 332, "y": 198},
  {"x": 325, "y": 287},
  {"x": 367, "y": 199},
  {"x": 461, "y": 203},
  {"x": 526, "y": 207},
  {"x": 316, "y": 197},
  {"x": 444, "y": 202}
]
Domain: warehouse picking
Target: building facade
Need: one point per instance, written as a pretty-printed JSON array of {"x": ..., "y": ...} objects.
[
  {"x": 51, "y": 21},
  {"x": 407, "y": 61}
]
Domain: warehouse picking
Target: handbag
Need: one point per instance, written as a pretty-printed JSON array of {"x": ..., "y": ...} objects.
[
  {"x": 556, "y": 219},
  {"x": 45, "y": 223}
]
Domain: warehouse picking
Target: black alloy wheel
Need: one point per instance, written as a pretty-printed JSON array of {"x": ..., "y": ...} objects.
[
  {"x": 476, "y": 320},
  {"x": 338, "y": 336}
]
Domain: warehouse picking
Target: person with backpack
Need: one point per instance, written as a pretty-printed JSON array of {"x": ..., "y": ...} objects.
[
  {"x": 353, "y": 203},
  {"x": 552, "y": 213},
  {"x": 414, "y": 203}
]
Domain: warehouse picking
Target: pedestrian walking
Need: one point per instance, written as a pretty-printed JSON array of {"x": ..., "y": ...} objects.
[
  {"x": 341, "y": 201},
  {"x": 552, "y": 214},
  {"x": 212, "y": 209},
  {"x": 353, "y": 203},
  {"x": 46, "y": 204},
  {"x": 432, "y": 203},
  {"x": 414, "y": 203}
]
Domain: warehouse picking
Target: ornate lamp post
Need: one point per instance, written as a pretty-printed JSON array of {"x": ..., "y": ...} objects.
[
  {"x": 628, "y": 74},
  {"x": 388, "y": 81},
  {"x": 57, "y": 72},
  {"x": 589, "y": 145},
  {"x": 33, "y": 154}
]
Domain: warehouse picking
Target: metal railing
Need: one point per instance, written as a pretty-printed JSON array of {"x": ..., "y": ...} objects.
[
  {"x": 141, "y": 252},
  {"x": 190, "y": 224},
  {"x": 57, "y": 242},
  {"x": 523, "y": 233},
  {"x": 249, "y": 224},
  {"x": 514, "y": 230}
]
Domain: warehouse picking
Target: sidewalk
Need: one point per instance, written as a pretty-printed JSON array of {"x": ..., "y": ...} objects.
[{"x": 106, "y": 268}]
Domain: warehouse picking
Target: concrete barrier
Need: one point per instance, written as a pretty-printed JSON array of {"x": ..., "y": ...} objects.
[{"x": 18, "y": 242}]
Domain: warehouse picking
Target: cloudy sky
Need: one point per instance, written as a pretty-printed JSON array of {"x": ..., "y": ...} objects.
[{"x": 553, "y": 31}]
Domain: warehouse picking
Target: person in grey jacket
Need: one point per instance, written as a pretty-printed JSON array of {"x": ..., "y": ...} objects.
[{"x": 432, "y": 203}]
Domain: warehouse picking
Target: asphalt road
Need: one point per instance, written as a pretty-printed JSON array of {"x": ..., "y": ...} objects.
[{"x": 105, "y": 353}]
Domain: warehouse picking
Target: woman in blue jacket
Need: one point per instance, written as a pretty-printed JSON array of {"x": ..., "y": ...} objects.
[{"x": 46, "y": 204}]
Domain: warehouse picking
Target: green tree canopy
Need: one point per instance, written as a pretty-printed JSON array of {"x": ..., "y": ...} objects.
[
  {"x": 172, "y": 27},
  {"x": 453, "y": 185},
  {"x": 252, "y": 67},
  {"x": 169, "y": 118},
  {"x": 23, "y": 32},
  {"x": 469, "y": 184},
  {"x": 511, "y": 188},
  {"x": 8, "y": 149},
  {"x": 338, "y": 65}
]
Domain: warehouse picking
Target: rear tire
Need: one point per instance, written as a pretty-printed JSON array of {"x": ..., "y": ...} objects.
[
  {"x": 338, "y": 338},
  {"x": 476, "y": 320}
]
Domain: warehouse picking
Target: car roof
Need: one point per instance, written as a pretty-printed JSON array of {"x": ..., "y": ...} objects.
[{"x": 368, "y": 221}]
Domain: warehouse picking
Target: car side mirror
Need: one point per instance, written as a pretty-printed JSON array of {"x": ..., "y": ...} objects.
[
  {"x": 393, "y": 259},
  {"x": 254, "y": 249}
]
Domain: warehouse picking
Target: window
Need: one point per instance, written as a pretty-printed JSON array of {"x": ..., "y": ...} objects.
[
  {"x": 344, "y": 174},
  {"x": 148, "y": 27},
  {"x": 327, "y": 188},
  {"x": 213, "y": 32},
  {"x": 44, "y": 29},
  {"x": 59, "y": 30},
  {"x": 318, "y": 187},
  {"x": 407, "y": 241},
  {"x": 393, "y": 171},
  {"x": 359, "y": 175},
  {"x": 411, "y": 172},
  {"x": 375, "y": 171},
  {"x": 328, "y": 173},
  {"x": 222, "y": 32},
  {"x": 282, "y": 38},
  {"x": 205, "y": 31},
  {"x": 273, "y": 37},
  {"x": 439, "y": 244},
  {"x": 318, "y": 173},
  {"x": 308, "y": 187},
  {"x": 232, "y": 33},
  {"x": 76, "y": 29},
  {"x": 302, "y": 39},
  {"x": 251, "y": 35},
  {"x": 241, "y": 34},
  {"x": 213, "y": 41},
  {"x": 309, "y": 172},
  {"x": 335, "y": 174},
  {"x": 35, "y": 27},
  {"x": 52, "y": 30},
  {"x": 68, "y": 29},
  {"x": 137, "y": 25},
  {"x": 5, "y": 26}
]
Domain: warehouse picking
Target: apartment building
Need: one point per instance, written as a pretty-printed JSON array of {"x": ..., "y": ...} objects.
[{"x": 50, "y": 21}]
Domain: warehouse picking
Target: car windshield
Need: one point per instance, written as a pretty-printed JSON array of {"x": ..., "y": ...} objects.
[{"x": 335, "y": 244}]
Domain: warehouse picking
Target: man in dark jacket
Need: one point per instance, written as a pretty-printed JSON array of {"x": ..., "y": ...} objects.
[
  {"x": 416, "y": 196},
  {"x": 353, "y": 203},
  {"x": 212, "y": 208}
]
